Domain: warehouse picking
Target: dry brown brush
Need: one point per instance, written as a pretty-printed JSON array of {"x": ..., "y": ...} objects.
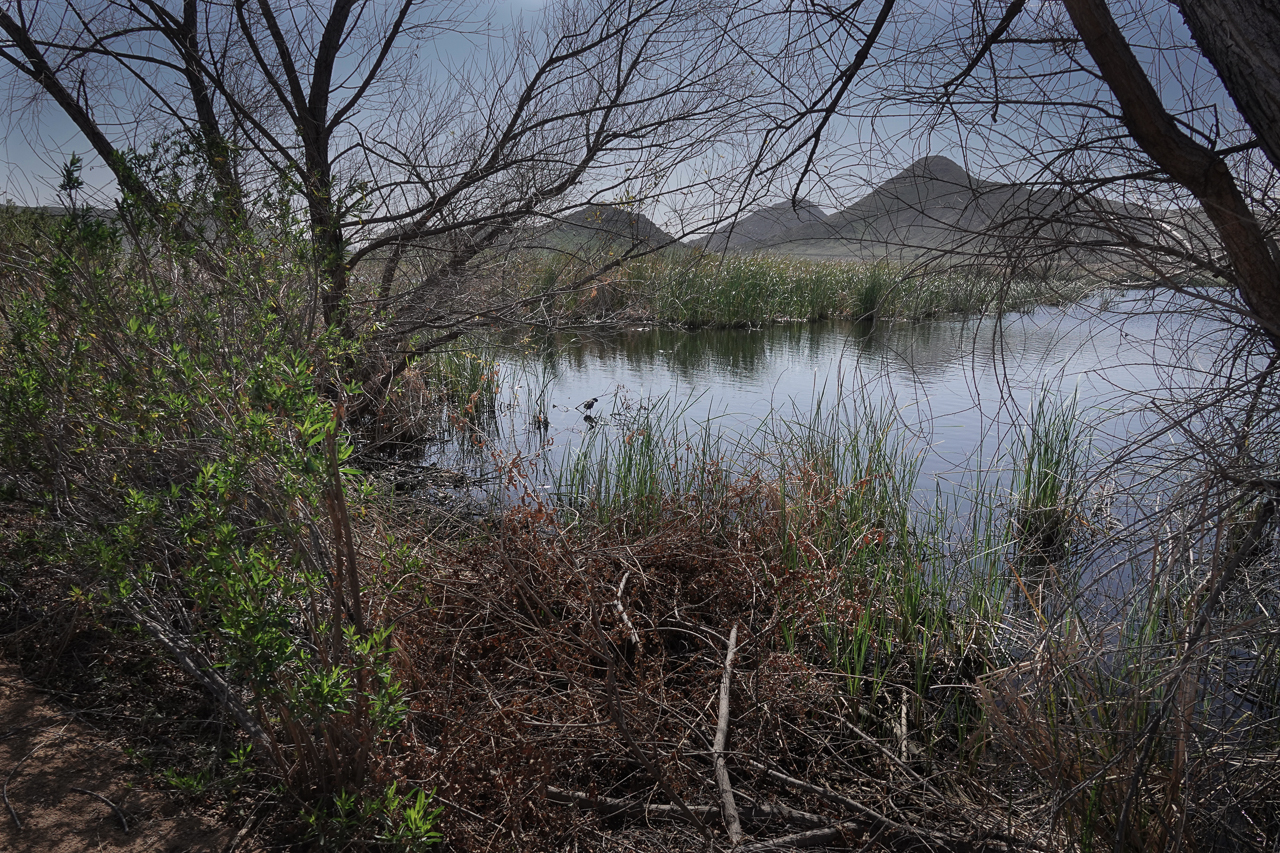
[{"x": 567, "y": 689}]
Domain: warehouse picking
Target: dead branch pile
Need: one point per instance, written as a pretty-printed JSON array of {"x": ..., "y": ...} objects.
[{"x": 577, "y": 694}]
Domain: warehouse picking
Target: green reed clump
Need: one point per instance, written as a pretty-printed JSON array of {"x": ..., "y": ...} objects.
[
  {"x": 853, "y": 530},
  {"x": 870, "y": 294},
  {"x": 643, "y": 468},
  {"x": 1048, "y": 485},
  {"x": 699, "y": 289},
  {"x": 756, "y": 289},
  {"x": 969, "y": 291},
  {"x": 464, "y": 378}
]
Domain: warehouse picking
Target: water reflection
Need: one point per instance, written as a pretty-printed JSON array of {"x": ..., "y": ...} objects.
[{"x": 959, "y": 387}]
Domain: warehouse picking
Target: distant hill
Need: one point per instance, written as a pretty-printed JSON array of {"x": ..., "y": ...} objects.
[
  {"x": 763, "y": 225},
  {"x": 932, "y": 204},
  {"x": 51, "y": 212},
  {"x": 935, "y": 206},
  {"x": 597, "y": 228}
]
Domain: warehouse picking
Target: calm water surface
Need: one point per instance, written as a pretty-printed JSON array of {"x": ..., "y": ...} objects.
[{"x": 959, "y": 388}]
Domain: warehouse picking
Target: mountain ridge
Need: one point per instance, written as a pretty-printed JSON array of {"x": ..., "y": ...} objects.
[
  {"x": 595, "y": 228},
  {"x": 761, "y": 225},
  {"x": 935, "y": 206}
]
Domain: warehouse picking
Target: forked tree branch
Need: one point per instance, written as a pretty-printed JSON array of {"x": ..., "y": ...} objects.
[{"x": 1202, "y": 171}]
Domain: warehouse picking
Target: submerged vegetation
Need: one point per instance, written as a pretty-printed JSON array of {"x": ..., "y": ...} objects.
[{"x": 686, "y": 627}]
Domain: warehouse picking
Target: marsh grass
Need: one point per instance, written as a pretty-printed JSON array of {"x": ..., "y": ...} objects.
[
  {"x": 966, "y": 645},
  {"x": 694, "y": 289},
  {"x": 645, "y": 467},
  {"x": 464, "y": 377},
  {"x": 830, "y": 504},
  {"x": 1051, "y": 458}
]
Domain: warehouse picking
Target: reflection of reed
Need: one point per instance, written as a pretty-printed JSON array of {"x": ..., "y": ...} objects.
[{"x": 922, "y": 350}]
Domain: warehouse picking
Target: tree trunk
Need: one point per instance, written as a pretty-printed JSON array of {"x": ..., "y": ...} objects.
[
  {"x": 331, "y": 266},
  {"x": 185, "y": 37},
  {"x": 1202, "y": 171},
  {"x": 1241, "y": 38}
]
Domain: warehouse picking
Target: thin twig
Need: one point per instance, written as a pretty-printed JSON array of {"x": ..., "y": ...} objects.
[
  {"x": 1207, "y": 607},
  {"x": 5, "y": 793},
  {"x": 611, "y": 806},
  {"x": 827, "y": 835},
  {"x": 868, "y": 739},
  {"x": 17, "y": 730},
  {"x": 124, "y": 824},
  {"x": 854, "y": 806},
  {"x": 731, "y": 820},
  {"x": 4, "y": 790},
  {"x": 622, "y": 611}
]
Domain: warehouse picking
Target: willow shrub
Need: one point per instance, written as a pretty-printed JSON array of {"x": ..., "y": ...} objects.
[{"x": 169, "y": 422}]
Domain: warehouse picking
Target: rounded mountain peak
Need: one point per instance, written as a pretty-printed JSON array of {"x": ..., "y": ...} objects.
[{"x": 938, "y": 168}]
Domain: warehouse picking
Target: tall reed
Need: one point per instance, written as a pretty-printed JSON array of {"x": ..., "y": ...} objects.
[
  {"x": 828, "y": 503},
  {"x": 696, "y": 289},
  {"x": 1048, "y": 494},
  {"x": 464, "y": 377}
]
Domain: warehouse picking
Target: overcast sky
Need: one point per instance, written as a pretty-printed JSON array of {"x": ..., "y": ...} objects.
[
  {"x": 871, "y": 143},
  {"x": 39, "y": 139}
]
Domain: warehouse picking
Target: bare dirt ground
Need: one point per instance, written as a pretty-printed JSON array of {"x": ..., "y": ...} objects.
[
  {"x": 90, "y": 721},
  {"x": 72, "y": 788}
]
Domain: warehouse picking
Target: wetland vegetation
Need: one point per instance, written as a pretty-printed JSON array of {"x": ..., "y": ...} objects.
[
  {"x": 695, "y": 289},
  {"x": 639, "y": 628},
  {"x": 914, "y": 670}
]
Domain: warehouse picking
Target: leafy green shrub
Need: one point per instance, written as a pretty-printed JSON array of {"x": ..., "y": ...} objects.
[
  {"x": 166, "y": 419},
  {"x": 401, "y": 821}
]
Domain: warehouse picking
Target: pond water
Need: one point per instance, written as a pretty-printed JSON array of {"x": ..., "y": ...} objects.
[{"x": 959, "y": 389}]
